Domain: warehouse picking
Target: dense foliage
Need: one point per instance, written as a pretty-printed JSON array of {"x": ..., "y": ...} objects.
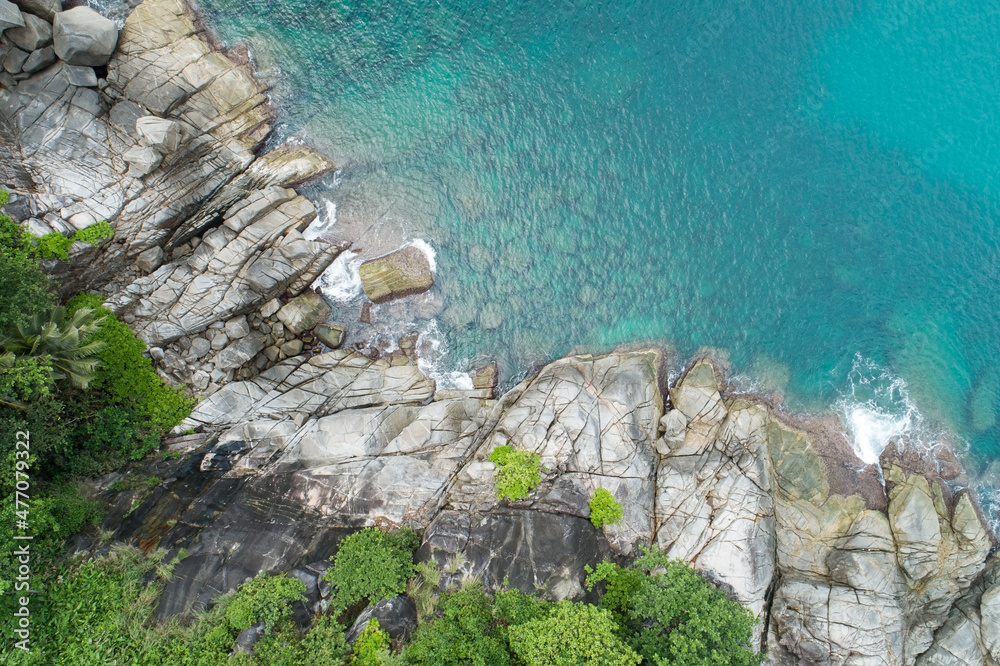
[
  {"x": 371, "y": 565},
  {"x": 517, "y": 473},
  {"x": 605, "y": 509},
  {"x": 75, "y": 378},
  {"x": 672, "y": 616},
  {"x": 573, "y": 634},
  {"x": 371, "y": 647}
]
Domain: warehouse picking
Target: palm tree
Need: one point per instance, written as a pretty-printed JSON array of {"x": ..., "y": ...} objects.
[{"x": 61, "y": 340}]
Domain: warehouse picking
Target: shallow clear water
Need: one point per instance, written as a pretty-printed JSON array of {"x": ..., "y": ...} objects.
[{"x": 810, "y": 186}]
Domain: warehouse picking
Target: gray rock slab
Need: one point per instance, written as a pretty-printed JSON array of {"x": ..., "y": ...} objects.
[
  {"x": 36, "y": 33},
  {"x": 38, "y": 61},
  {"x": 45, "y": 8},
  {"x": 10, "y": 16}
]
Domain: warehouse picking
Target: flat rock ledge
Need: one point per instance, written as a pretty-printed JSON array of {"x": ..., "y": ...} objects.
[{"x": 308, "y": 451}]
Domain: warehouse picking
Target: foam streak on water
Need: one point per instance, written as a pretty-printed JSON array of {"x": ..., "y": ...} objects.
[
  {"x": 341, "y": 281},
  {"x": 876, "y": 409}
]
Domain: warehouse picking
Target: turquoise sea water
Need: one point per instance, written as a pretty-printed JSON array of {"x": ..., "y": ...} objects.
[{"x": 810, "y": 186}]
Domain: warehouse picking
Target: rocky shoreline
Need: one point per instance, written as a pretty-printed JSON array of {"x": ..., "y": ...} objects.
[{"x": 297, "y": 443}]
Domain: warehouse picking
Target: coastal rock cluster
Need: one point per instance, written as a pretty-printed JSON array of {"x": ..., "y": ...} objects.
[
  {"x": 297, "y": 443},
  {"x": 838, "y": 570},
  {"x": 163, "y": 142}
]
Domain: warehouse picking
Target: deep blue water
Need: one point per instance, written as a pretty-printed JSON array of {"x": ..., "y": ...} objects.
[{"x": 810, "y": 186}]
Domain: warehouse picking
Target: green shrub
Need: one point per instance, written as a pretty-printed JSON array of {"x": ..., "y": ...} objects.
[
  {"x": 674, "y": 616},
  {"x": 517, "y": 473},
  {"x": 94, "y": 234},
  {"x": 264, "y": 599},
  {"x": 371, "y": 645},
  {"x": 371, "y": 565},
  {"x": 53, "y": 245},
  {"x": 573, "y": 634},
  {"x": 605, "y": 509},
  {"x": 323, "y": 645},
  {"x": 126, "y": 376},
  {"x": 466, "y": 633},
  {"x": 23, "y": 284}
]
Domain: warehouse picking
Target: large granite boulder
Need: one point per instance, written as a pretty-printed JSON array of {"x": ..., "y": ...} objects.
[
  {"x": 83, "y": 37},
  {"x": 593, "y": 421},
  {"x": 401, "y": 273},
  {"x": 714, "y": 502}
]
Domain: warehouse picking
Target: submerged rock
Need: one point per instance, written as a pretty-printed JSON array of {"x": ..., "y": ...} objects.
[
  {"x": 304, "y": 312},
  {"x": 402, "y": 273}
]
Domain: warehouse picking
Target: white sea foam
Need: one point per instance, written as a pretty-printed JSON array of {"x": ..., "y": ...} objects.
[
  {"x": 341, "y": 281},
  {"x": 325, "y": 219},
  {"x": 431, "y": 350},
  {"x": 426, "y": 248},
  {"x": 876, "y": 408}
]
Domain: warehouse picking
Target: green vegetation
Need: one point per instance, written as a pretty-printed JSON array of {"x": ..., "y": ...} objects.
[
  {"x": 657, "y": 612},
  {"x": 371, "y": 565},
  {"x": 264, "y": 599},
  {"x": 673, "y": 616},
  {"x": 60, "y": 343},
  {"x": 76, "y": 379},
  {"x": 55, "y": 245},
  {"x": 126, "y": 377},
  {"x": 371, "y": 648},
  {"x": 605, "y": 509},
  {"x": 517, "y": 473},
  {"x": 572, "y": 634}
]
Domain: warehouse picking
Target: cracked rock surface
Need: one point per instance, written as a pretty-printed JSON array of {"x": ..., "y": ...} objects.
[{"x": 307, "y": 451}]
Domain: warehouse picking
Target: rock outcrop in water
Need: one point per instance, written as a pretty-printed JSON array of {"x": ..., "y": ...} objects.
[{"x": 296, "y": 447}]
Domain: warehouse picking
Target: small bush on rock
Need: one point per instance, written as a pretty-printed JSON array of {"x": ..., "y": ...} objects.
[
  {"x": 517, "y": 473},
  {"x": 371, "y": 565},
  {"x": 94, "y": 234},
  {"x": 264, "y": 599},
  {"x": 371, "y": 647},
  {"x": 605, "y": 509}
]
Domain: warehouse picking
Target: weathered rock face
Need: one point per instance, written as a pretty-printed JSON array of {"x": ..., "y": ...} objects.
[
  {"x": 309, "y": 450},
  {"x": 401, "y": 273},
  {"x": 45, "y": 8},
  {"x": 256, "y": 253},
  {"x": 10, "y": 16},
  {"x": 164, "y": 149}
]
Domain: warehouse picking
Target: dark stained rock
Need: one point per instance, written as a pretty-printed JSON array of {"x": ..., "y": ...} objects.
[
  {"x": 533, "y": 550},
  {"x": 396, "y": 616}
]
